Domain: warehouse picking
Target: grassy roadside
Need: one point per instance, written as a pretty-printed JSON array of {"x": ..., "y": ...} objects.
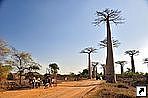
[{"x": 108, "y": 90}]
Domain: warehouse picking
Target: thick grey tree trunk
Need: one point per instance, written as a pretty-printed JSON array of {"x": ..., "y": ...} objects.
[
  {"x": 89, "y": 67},
  {"x": 94, "y": 72},
  {"x": 109, "y": 72},
  {"x": 104, "y": 70},
  {"x": 132, "y": 63},
  {"x": 121, "y": 69}
]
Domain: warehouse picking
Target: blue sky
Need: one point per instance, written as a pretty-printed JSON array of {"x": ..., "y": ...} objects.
[{"x": 57, "y": 30}]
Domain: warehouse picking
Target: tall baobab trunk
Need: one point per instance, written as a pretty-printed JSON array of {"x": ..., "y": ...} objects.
[
  {"x": 132, "y": 63},
  {"x": 110, "y": 74},
  {"x": 89, "y": 67},
  {"x": 104, "y": 71},
  {"x": 94, "y": 72},
  {"x": 121, "y": 69},
  {"x": 89, "y": 50}
]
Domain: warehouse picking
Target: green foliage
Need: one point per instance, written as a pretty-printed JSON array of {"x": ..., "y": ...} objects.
[
  {"x": 34, "y": 67},
  {"x": 84, "y": 73},
  {"x": 146, "y": 74},
  {"x": 12, "y": 58},
  {"x": 4, "y": 71},
  {"x": 4, "y": 49},
  {"x": 30, "y": 75},
  {"x": 23, "y": 61},
  {"x": 130, "y": 73},
  {"x": 54, "y": 68},
  {"x": 10, "y": 76},
  {"x": 71, "y": 74}
]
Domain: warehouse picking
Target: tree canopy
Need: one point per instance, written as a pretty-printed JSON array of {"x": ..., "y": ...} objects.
[
  {"x": 89, "y": 50},
  {"x": 54, "y": 68},
  {"x": 132, "y": 52},
  {"x": 103, "y": 43}
]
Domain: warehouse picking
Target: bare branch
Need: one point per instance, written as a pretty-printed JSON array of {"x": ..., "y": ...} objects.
[
  {"x": 103, "y": 43},
  {"x": 95, "y": 63},
  {"x": 112, "y": 15},
  {"x": 132, "y": 52},
  {"x": 145, "y": 60},
  {"x": 121, "y": 62},
  {"x": 89, "y": 50}
]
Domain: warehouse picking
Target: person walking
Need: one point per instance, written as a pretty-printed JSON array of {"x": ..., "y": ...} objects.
[
  {"x": 38, "y": 82},
  {"x": 46, "y": 82},
  {"x": 33, "y": 82}
]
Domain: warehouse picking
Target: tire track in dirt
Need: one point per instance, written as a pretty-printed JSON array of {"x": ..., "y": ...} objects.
[{"x": 64, "y": 90}]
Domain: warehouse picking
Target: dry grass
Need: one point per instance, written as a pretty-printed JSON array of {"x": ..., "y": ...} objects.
[{"x": 107, "y": 90}]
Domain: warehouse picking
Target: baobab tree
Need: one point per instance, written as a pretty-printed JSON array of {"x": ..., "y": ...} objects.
[
  {"x": 145, "y": 61},
  {"x": 103, "y": 43},
  {"x": 103, "y": 67},
  {"x": 107, "y": 16},
  {"x": 88, "y": 51},
  {"x": 132, "y": 53},
  {"x": 121, "y": 63},
  {"x": 94, "y": 72}
]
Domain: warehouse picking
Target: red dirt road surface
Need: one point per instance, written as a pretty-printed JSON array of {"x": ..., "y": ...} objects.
[{"x": 75, "y": 89}]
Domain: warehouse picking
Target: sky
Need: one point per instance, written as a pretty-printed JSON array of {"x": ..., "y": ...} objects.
[{"x": 57, "y": 30}]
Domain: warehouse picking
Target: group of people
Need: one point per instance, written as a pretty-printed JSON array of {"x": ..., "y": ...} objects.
[
  {"x": 36, "y": 82},
  {"x": 47, "y": 81}
]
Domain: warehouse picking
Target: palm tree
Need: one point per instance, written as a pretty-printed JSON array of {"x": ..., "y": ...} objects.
[
  {"x": 54, "y": 70},
  {"x": 89, "y": 50},
  {"x": 132, "y": 53},
  {"x": 121, "y": 63},
  {"x": 94, "y": 72},
  {"x": 108, "y": 16}
]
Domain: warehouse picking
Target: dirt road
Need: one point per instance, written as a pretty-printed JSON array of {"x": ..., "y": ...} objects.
[{"x": 64, "y": 90}]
